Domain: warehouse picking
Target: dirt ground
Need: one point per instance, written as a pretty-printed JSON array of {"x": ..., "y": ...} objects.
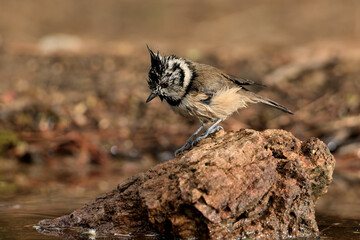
[{"x": 73, "y": 82}]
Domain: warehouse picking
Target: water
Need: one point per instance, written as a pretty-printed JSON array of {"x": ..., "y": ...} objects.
[
  {"x": 338, "y": 228},
  {"x": 19, "y": 215}
]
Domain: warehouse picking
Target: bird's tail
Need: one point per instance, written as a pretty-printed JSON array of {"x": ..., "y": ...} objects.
[{"x": 270, "y": 102}]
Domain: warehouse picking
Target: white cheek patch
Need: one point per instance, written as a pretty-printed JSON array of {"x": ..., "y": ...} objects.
[
  {"x": 187, "y": 73},
  {"x": 185, "y": 67}
]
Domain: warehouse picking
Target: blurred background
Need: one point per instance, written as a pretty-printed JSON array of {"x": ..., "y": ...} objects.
[{"x": 73, "y": 118}]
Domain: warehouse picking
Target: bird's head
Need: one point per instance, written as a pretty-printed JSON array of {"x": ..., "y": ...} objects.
[{"x": 169, "y": 77}]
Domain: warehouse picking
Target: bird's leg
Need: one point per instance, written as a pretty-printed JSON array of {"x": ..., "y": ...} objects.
[
  {"x": 189, "y": 142},
  {"x": 213, "y": 128}
]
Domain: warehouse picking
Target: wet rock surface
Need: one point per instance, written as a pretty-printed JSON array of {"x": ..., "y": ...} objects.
[{"x": 244, "y": 184}]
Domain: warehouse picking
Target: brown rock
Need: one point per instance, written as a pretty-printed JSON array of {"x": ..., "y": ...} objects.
[{"x": 246, "y": 184}]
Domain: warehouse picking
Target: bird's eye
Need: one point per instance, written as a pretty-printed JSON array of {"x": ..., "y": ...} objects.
[{"x": 164, "y": 85}]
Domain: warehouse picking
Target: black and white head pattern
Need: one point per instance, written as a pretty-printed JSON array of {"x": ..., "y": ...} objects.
[{"x": 169, "y": 77}]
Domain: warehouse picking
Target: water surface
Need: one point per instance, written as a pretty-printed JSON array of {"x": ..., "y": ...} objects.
[{"x": 19, "y": 215}]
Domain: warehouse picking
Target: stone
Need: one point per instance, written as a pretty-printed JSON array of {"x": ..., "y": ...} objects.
[{"x": 244, "y": 184}]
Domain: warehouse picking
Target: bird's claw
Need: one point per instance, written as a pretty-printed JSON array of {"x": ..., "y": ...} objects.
[
  {"x": 183, "y": 148},
  {"x": 217, "y": 129},
  {"x": 206, "y": 134},
  {"x": 190, "y": 143}
]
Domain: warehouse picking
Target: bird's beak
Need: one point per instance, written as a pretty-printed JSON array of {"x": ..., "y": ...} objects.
[{"x": 151, "y": 97}]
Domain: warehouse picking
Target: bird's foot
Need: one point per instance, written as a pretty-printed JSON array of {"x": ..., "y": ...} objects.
[
  {"x": 216, "y": 129},
  {"x": 190, "y": 142},
  {"x": 206, "y": 134},
  {"x": 183, "y": 148}
]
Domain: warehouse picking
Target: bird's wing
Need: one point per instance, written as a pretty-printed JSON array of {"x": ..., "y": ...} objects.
[
  {"x": 211, "y": 79},
  {"x": 241, "y": 81}
]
